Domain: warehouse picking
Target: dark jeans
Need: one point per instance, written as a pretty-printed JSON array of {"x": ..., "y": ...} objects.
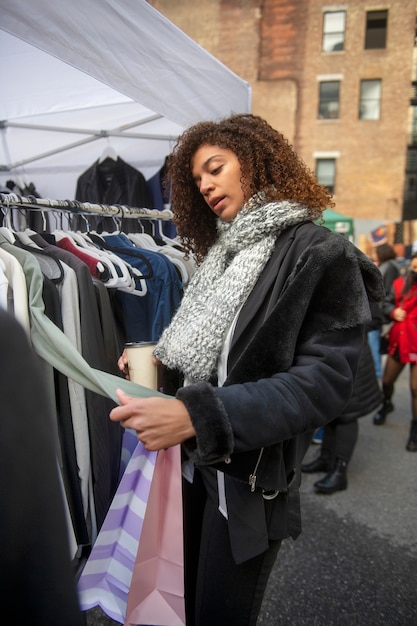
[{"x": 217, "y": 591}]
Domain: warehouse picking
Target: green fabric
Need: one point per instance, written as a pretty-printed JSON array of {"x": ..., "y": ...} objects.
[
  {"x": 55, "y": 347},
  {"x": 337, "y": 222}
]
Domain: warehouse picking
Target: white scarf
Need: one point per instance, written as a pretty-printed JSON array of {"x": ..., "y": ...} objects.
[{"x": 193, "y": 341}]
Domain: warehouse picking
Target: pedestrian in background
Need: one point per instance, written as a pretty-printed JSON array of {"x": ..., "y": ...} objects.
[
  {"x": 341, "y": 434},
  {"x": 388, "y": 266},
  {"x": 401, "y": 307},
  {"x": 385, "y": 256}
]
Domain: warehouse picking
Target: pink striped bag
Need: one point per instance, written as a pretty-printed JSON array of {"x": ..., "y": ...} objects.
[{"x": 156, "y": 593}]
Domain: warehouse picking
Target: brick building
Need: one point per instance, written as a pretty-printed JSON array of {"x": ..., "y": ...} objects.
[{"x": 339, "y": 80}]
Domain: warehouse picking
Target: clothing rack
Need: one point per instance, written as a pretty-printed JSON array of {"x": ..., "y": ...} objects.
[{"x": 12, "y": 200}]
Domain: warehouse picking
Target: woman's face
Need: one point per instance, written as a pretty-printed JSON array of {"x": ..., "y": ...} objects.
[{"x": 217, "y": 174}]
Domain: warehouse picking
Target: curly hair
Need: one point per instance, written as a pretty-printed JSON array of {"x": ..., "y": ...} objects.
[{"x": 268, "y": 163}]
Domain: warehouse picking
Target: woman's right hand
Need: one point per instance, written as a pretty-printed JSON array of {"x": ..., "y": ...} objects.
[
  {"x": 399, "y": 314},
  {"x": 123, "y": 364}
]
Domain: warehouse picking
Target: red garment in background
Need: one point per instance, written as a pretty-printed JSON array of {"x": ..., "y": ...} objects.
[
  {"x": 66, "y": 244},
  {"x": 403, "y": 335}
]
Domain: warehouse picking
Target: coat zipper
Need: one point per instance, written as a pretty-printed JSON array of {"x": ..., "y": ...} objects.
[{"x": 252, "y": 477}]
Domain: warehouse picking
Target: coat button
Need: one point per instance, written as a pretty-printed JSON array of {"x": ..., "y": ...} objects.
[{"x": 228, "y": 460}]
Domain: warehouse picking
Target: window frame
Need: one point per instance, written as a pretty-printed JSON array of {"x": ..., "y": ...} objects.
[
  {"x": 324, "y": 101},
  {"x": 328, "y": 34},
  {"x": 331, "y": 184},
  {"x": 368, "y": 100},
  {"x": 375, "y": 35}
]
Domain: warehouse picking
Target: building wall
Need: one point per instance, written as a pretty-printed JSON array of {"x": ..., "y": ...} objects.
[
  {"x": 371, "y": 166},
  {"x": 234, "y": 32},
  {"x": 276, "y": 46}
]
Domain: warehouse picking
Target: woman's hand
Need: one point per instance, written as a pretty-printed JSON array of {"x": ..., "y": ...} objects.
[
  {"x": 159, "y": 422},
  {"x": 123, "y": 364},
  {"x": 399, "y": 314}
]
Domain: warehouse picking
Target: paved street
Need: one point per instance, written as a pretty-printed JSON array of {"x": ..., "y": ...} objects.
[{"x": 355, "y": 563}]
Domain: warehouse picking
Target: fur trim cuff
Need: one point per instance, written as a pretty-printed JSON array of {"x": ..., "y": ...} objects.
[{"x": 214, "y": 439}]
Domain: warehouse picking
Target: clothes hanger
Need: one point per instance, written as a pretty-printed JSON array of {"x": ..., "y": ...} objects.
[
  {"x": 8, "y": 234},
  {"x": 108, "y": 153},
  {"x": 114, "y": 278},
  {"x": 50, "y": 266},
  {"x": 143, "y": 290},
  {"x": 7, "y": 230},
  {"x": 24, "y": 237},
  {"x": 143, "y": 240}
]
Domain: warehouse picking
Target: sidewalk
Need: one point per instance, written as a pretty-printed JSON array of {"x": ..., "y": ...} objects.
[{"x": 355, "y": 563}]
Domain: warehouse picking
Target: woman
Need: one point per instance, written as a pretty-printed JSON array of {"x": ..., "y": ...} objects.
[
  {"x": 340, "y": 435},
  {"x": 401, "y": 307},
  {"x": 385, "y": 256},
  {"x": 389, "y": 268},
  {"x": 267, "y": 340}
]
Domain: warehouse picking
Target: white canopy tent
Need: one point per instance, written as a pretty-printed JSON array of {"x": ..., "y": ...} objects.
[{"x": 83, "y": 75}]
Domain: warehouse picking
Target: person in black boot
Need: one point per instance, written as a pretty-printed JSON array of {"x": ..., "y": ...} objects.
[
  {"x": 400, "y": 306},
  {"x": 336, "y": 480},
  {"x": 412, "y": 440},
  {"x": 387, "y": 407},
  {"x": 339, "y": 440},
  {"x": 323, "y": 463},
  {"x": 341, "y": 434}
]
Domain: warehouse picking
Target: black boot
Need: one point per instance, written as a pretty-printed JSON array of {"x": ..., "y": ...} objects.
[
  {"x": 412, "y": 440},
  {"x": 335, "y": 480},
  {"x": 323, "y": 463},
  {"x": 379, "y": 417}
]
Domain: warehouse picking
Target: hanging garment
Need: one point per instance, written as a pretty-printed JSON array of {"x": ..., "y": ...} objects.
[
  {"x": 105, "y": 438},
  {"x": 56, "y": 349},
  {"x": 145, "y": 318},
  {"x": 161, "y": 199},
  {"x": 4, "y": 287},
  {"x": 36, "y": 578},
  {"x": 65, "y": 280},
  {"x": 175, "y": 255},
  {"x": 112, "y": 182},
  {"x": 66, "y": 437},
  {"x": 17, "y": 294}
]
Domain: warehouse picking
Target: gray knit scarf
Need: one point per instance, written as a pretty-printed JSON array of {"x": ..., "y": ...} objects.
[{"x": 193, "y": 341}]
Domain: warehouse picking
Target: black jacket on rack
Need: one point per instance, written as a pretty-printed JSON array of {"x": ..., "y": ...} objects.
[{"x": 113, "y": 182}]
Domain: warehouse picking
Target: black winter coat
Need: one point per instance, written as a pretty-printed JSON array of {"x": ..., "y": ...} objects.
[
  {"x": 292, "y": 365},
  {"x": 366, "y": 396}
]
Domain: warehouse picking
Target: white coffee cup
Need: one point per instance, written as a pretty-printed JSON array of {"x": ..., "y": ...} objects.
[{"x": 142, "y": 370}]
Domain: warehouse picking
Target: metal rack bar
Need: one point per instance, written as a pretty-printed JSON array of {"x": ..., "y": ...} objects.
[{"x": 12, "y": 200}]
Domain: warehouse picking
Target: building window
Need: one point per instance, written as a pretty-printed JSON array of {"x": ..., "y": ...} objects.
[
  {"x": 326, "y": 173},
  {"x": 410, "y": 189},
  {"x": 333, "y": 31},
  {"x": 412, "y": 141},
  {"x": 329, "y": 99},
  {"x": 370, "y": 100},
  {"x": 376, "y": 29}
]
